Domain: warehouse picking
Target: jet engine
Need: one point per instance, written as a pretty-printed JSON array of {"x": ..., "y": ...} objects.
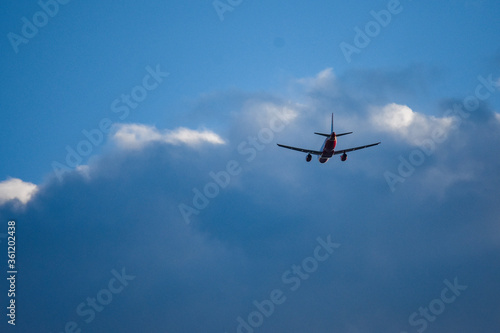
[
  {"x": 343, "y": 157},
  {"x": 308, "y": 157}
]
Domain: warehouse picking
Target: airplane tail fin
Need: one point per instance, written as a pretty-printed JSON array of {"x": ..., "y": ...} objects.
[{"x": 328, "y": 135}]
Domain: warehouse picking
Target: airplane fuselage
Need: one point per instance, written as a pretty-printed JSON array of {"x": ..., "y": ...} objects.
[{"x": 328, "y": 148}]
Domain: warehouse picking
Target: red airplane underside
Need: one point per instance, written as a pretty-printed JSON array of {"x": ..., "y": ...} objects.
[{"x": 328, "y": 148}]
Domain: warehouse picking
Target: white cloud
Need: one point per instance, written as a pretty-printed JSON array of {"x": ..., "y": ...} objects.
[
  {"x": 497, "y": 116},
  {"x": 84, "y": 170},
  {"x": 324, "y": 80},
  {"x": 261, "y": 113},
  {"x": 15, "y": 188},
  {"x": 437, "y": 180},
  {"x": 407, "y": 124},
  {"x": 135, "y": 136}
]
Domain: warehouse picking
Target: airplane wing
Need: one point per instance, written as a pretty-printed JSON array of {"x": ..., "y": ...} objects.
[
  {"x": 314, "y": 152},
  {"x": 353, "y": 149}
]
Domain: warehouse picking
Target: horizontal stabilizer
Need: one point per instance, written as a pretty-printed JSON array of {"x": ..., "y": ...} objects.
[
  {"x": 328, "y": 135},
  {"x": 324, "y": 134}
]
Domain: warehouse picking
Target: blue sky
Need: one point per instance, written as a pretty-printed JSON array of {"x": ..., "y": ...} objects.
[{"x": 140, "y": 164}]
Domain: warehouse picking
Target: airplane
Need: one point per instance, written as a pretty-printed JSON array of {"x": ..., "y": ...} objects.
[{"x": 328, "y": 148}]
